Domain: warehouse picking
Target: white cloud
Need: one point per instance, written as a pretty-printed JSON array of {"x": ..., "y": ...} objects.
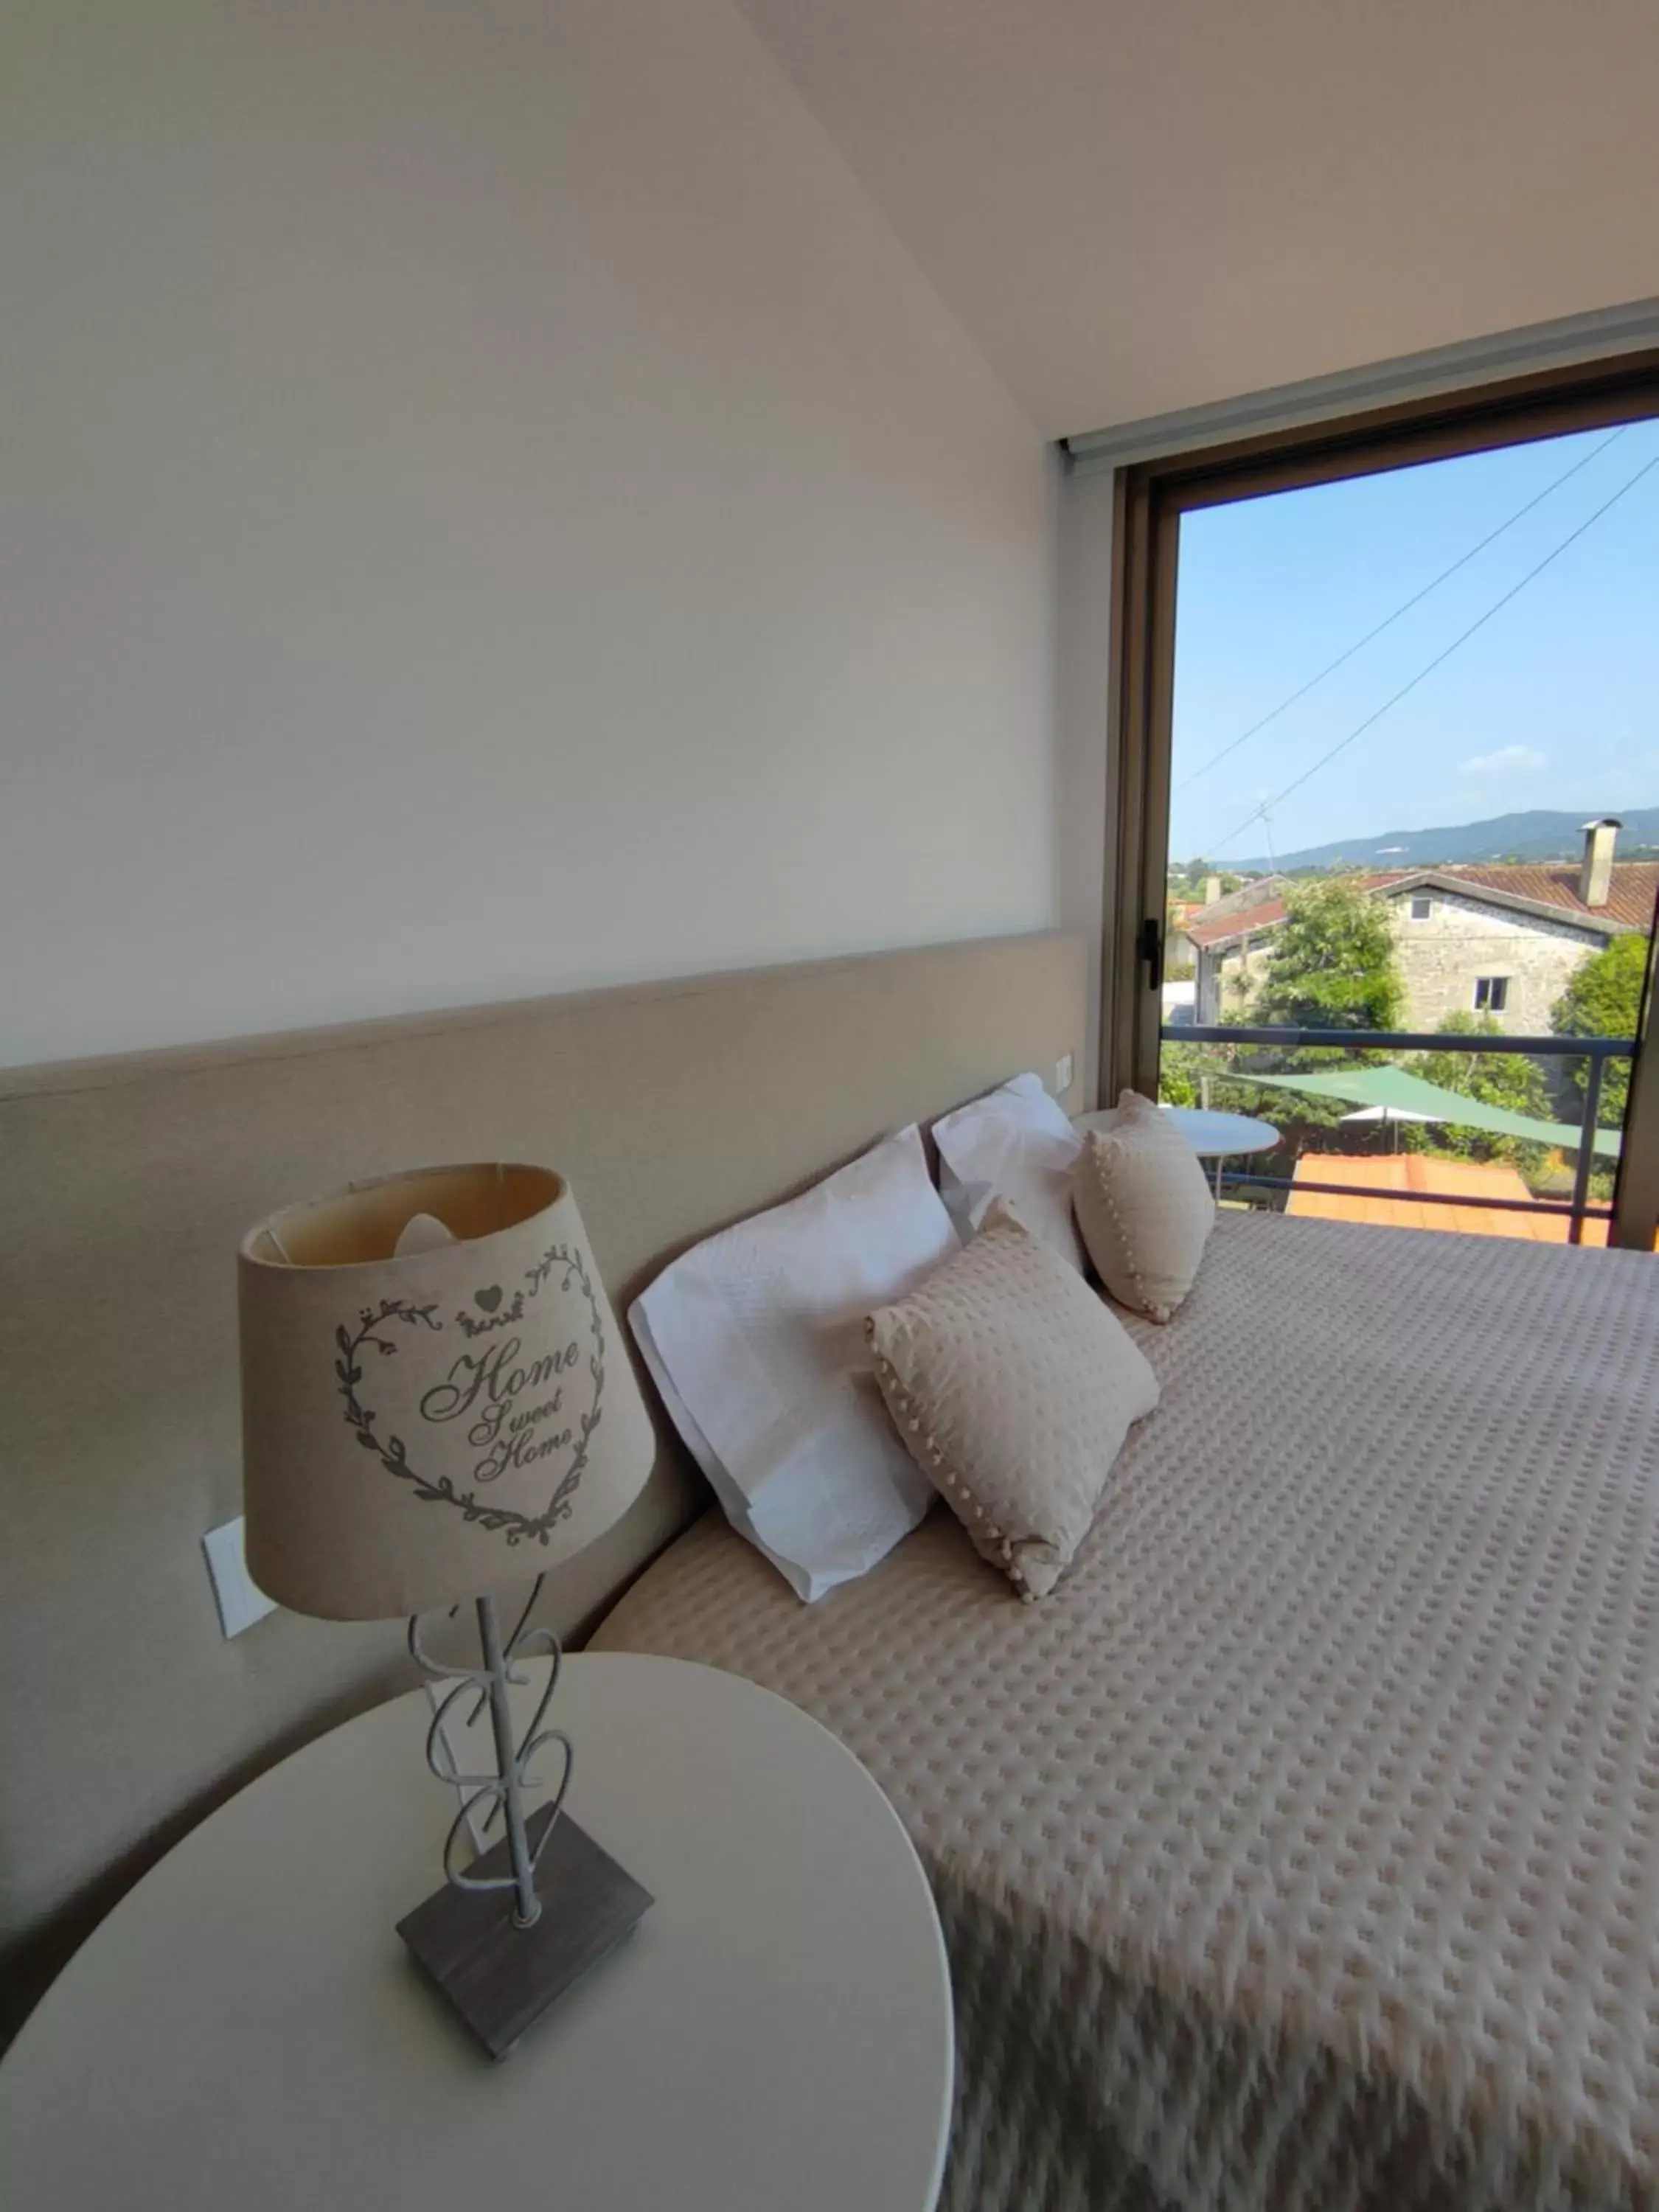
[{"x": 1508, "y": 760}]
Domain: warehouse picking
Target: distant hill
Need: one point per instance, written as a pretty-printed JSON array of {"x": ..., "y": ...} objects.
[{"x": 1534, "y": 836}]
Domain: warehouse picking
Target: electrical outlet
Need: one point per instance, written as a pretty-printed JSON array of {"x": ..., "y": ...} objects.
[
  {"x": 238, "y": 1597},
  {"x": 1063, "y": 1072}
]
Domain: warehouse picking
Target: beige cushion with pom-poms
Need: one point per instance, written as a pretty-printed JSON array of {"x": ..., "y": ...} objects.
[
  {"x": 1144, "y": 1207},
  {"x": 1014, "y": 1389}
]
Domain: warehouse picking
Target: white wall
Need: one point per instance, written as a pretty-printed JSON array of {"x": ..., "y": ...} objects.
[
  {"x": 1141, "y": 206},
  {"x": 486, "y": 506}
]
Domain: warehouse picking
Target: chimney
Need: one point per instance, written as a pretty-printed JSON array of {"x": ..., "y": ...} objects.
[
  {"x": 1596, "y": 872},
  {"x": 1211, "y": 890}
]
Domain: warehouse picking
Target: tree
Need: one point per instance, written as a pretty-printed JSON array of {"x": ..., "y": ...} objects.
[
  {"x": 1180, "y": 1072},
  {"x": 1201, "y": 1075},
  {"x": 1334, "y": 963},
  {"x": 1333, "y": 966},
  {"x": 1603, "y": 998},
  {"x": 1506, "y": 1079}
]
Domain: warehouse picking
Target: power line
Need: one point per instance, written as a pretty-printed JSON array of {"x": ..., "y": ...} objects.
[
  {"x": 1496, "y": 606},
  {"x": 1404, "y": 608}
]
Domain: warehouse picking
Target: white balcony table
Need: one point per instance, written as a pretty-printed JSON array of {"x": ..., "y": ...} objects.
[
  {"x": 245, "y": 2028},
  {"x": 1212, "y": 1136}
]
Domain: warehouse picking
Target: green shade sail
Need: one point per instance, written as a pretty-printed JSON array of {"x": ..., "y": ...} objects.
[{"x": 1410, "y": 1094}]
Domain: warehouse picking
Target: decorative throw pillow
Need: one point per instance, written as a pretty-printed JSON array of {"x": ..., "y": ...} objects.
[
  {"x": 1014, "y": 1389},
  {"x": 1144, "y": 1207},
  {"x": 1016, "y": 1142}
]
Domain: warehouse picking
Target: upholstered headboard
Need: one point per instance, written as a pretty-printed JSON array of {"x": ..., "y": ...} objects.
[{"x": 124, "y": 1185}]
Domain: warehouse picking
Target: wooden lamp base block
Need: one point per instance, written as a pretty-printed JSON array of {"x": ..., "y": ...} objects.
[{"x": 501, "y": 1978}]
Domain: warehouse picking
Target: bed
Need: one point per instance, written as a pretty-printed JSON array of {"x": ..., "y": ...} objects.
[{"x": 1302, "y": 1850}]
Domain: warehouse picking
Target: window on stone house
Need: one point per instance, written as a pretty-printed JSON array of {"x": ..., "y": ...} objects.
[
  {"x": 1492, "y": 994},
  {"x": 1422, "y": 908}
]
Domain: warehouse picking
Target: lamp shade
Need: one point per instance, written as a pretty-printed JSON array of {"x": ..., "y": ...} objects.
[{"x": 421, "y": 1425}]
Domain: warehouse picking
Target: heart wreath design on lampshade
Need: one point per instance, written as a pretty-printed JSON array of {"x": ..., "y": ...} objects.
[
  {"x": 473, "y": 1369},
  {"x": 512, "y": 1406}
]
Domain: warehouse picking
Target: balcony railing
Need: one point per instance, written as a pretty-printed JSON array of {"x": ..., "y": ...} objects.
[{"x": 1598, "y": 1051}]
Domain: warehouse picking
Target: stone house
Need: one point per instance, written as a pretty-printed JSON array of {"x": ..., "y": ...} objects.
[
  {"x": 1228, "y": 943},
  {"x": 1500, "y": 940},
  {"x": 1217, "y": 939}
]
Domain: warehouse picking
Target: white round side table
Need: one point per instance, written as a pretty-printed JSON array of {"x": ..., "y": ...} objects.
[
  {"x": 1212, "y": 1136},
  {"x": 246, "y": 2029}
]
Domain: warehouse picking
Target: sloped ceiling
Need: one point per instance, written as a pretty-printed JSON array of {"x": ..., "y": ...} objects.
[{"x": 1138, "y": 205}]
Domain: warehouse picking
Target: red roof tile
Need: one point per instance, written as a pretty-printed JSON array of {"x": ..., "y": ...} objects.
[
  {"x": 1223, "y": 925},
  {"x": 1631, "y": 897},
  {"x": 1370, "y": 1176}
]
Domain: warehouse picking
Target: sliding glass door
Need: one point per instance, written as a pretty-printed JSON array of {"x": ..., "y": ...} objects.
[{"x": 1387, "y": 811}]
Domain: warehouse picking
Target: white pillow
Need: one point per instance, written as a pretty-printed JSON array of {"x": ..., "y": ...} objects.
[
  {"x": 1016, "y": 1143},
  {"x": 755, "y": 1341}
]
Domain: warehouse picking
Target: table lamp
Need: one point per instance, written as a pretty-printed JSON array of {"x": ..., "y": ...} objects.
[{"x": 435, "y": 1404}]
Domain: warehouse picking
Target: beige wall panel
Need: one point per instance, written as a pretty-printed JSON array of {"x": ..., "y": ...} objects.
[{"x": 125, "y": 1187}]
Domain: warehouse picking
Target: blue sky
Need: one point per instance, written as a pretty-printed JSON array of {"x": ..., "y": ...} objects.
[{"x": 1554, "y": 702}]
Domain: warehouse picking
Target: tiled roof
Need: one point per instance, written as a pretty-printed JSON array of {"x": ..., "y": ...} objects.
[
  {"x": 1630, "y": 904},
  {"x": 1221, "y": 927},
  {"x": 1630, "y": 896},
  {"x": 1369, "y": 1176}
]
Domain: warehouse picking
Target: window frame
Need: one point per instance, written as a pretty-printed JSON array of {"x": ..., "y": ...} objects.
[{"x": 1148, "y": 499}]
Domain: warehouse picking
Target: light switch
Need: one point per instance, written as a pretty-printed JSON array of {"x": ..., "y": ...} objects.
[
  {"x": 239, "y": 1599},
  {"x": 1063, "y": 1073}
]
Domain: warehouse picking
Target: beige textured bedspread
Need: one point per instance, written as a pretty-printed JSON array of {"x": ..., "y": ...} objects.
[{"x": 1302, "y": 1851}]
